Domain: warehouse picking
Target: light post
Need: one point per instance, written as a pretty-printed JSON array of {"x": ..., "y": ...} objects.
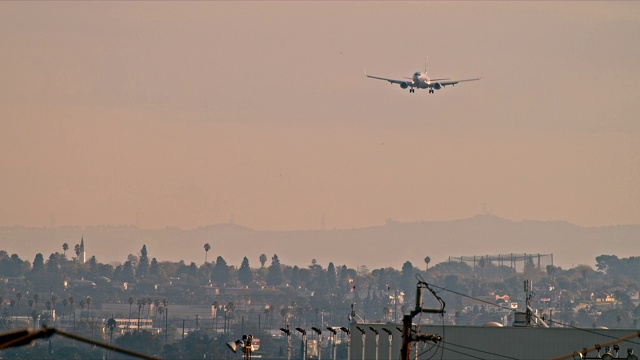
[
  {"x": 377, "y": 338},
  {"x": 319, "y": 332},
  {"x": 333, "y": 336},
  {"x": 245, "y": 345},
  {"x": 288, "y": 332},
  {"x": 364, "y": 340},
  {"x": 346, "y": 331},
  {"x": 390, "y": 341},
  {"x": 304, "y": 342}
]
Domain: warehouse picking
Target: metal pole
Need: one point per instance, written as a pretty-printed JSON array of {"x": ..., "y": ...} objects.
[
  {"x": 333, "y": 342},
  {"x": 390, "y": 341},
  {"x": 348, "y": 332},
  {"x": 288, "y": 332},
  {"x": 377, "y": 338},
  {"x": 304, "y": 342},
  {"x": 319, "y": 332},
  {"x": 364, "y": 340}
]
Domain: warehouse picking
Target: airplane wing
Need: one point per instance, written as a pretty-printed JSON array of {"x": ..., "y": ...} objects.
[
  {"x": 393, "y": 81},
  {"x": 453, "y": 82}
]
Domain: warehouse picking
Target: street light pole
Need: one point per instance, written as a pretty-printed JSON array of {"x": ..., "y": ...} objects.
[
  {"x": 304, "y": 342},
  {"x": 288, "y": 332},
  {"x": 333, "y": 342},
  {"x": 377, "y": 338},
  {"x": 319, "y": 332},
  {"x": 345, "y": 330},
  {"x": 390, "y": 341},
  {"x": 364, "y": 340}
]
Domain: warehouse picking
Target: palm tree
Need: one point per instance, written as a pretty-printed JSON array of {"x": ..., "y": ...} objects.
[
  {"x": 111, "y": 325},
  {"x": 19, "y": 297},
  {"x": 149, "y": 302},
  {"x": 72, "y": 301},
  {"x": 65, "y": 302},
  {"x": 36, "y": 298},
  {"x": 156, "y": 303},
  {"x": 12, "y": 303},
  {"x": 132, "y": 301},
  {"x": 88, "y": 301},
  {"x": 65, "y": 247},
  {"x": 82, "y": 305},
  {"x": 427, "y": 260},
  {"x": 207, "y": 247},
  {"x": 140, "y": 306},
  {"x": 30, "y": 303}
]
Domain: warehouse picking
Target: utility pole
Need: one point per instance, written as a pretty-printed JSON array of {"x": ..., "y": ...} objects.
[{"x": 407, "y": 336}]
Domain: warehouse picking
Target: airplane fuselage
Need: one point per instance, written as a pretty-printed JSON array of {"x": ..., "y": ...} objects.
[{"x": 421, "y": 80}]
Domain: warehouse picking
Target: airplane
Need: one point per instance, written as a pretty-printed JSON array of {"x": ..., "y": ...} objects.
[{"x": 421, "y": 80}]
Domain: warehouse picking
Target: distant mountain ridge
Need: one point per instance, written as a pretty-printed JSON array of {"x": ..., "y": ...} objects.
[{"x": 388, "y": 245}]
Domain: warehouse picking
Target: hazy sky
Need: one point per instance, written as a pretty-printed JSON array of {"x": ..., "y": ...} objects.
[{"x": 187, "y": 114}]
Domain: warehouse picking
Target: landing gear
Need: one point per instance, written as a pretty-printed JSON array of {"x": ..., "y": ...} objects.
[
  {"x": 412, "y": 90},
  {"x": 431, "y": 91}
]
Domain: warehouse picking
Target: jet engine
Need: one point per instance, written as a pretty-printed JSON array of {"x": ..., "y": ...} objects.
[
  {"x": 404, "y": 85},
  {"x": 437, "y": 86}
]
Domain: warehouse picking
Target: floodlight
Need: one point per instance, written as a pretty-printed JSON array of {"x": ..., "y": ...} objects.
[
  {"x": 286, "y": 331},
  {"x": 318, "y": 331},
  {"x": 302, "y": 331},
  {"x": 374, "y": 330},
  {"x": 387, "y": 331},
  {"x": 332, "y": 330},
  {"x": 361, "y": 330},
  {"x": 232, "y": 346},
  {"x": 345, "y": 330}
]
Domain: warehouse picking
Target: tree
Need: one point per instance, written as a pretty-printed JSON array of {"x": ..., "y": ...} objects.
[
  {"x": 38, "y": 263},
  {"x": 65, "y": 302},
  {"x": 143, "y": 266},
  {"x": 131, "y": 301},
  {"x": 244, "y": 273},
  {"x": 274, "y": 276},
  {"x": 263, "y": 260},
  {"x": 111, "y": 325},
  {"x": 408, "y": 281},
  {"x": 207, "y": 247},
  {"x": 221, "y": 273},
  {"x": 88, "y": 300},
  {"x": 427, "y": 260},
  {"x": 52, "y": 264},
  {"x": 65, "y": 247},
  {"x": 140, "y": 341},
  {"x": 154, "y": 269},
  {"x": 19, "y": 297}
]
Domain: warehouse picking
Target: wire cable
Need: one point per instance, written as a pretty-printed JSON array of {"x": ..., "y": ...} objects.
[{"x": 478, "y": 350}]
